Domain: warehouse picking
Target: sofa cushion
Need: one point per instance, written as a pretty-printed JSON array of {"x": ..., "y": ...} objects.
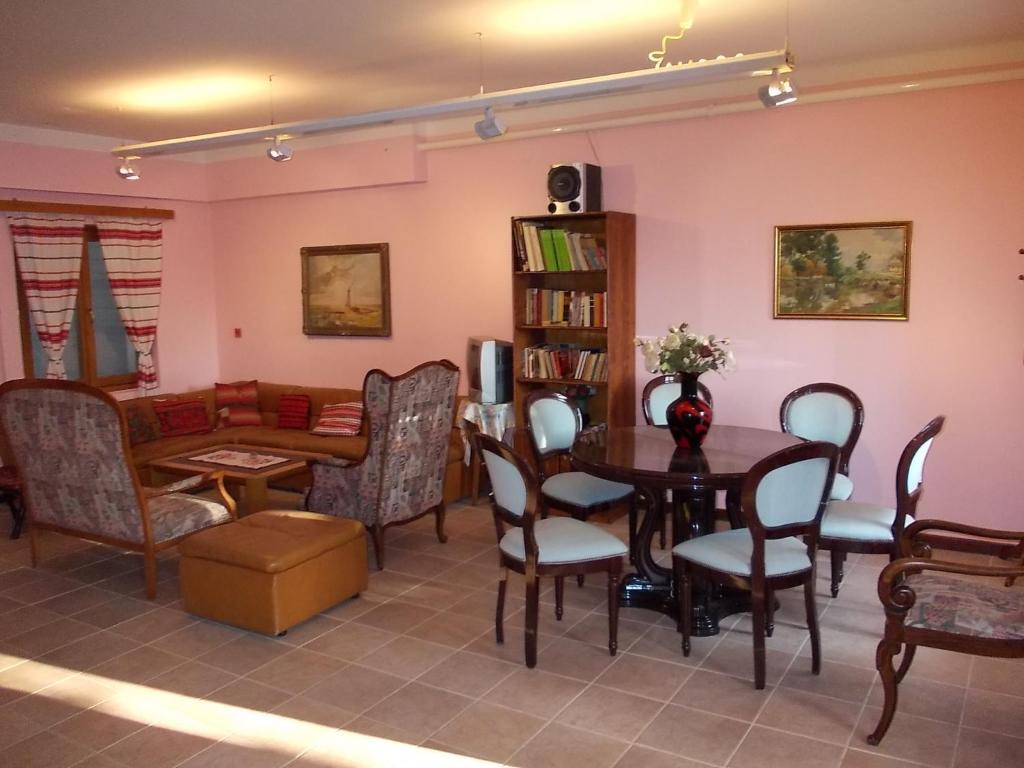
[
  {"x": 181, "y": 417},
  {"x": 240, "y": 416},
  {"x": 340, "y": 420},
  {"x": 293, "y": 412},
  {"x": 143, "y": 426}
]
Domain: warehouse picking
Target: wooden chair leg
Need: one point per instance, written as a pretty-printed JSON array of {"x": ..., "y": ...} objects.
[
  {"x": 769, "y": 612},
  {"x": 377, "y": 536},
  {"x": 757, "y": 610},
  {"x": 812, "y": 623},
  {"x": 662, "y": 531},
  {"x": 532, "y": 600},
  {"x": 559, "y": 593},
  {"x": 149, "y": 566},
  {"x": 499, "y": 612},
  {"x": 905, "y": 662},
  {"x": 580, "y": 579},
  {"x": 33, "y": 542},
  {"x": 883, "y": 661},
  {"x": 632, "y": 530},
  {"x": 439, "y": 523},
  {"x": 613, "y": 612},
  {"x": 837, "y": 557},
  {"x": 685, "y": 598}
]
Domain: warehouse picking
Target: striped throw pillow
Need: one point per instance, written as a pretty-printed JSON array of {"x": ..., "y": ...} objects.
[
  {"x": 237, "y": 404},
  {"x": 339, "y": 420},
  {"x": 181, "y": 417},
  {"x": 293, "y": 412}
]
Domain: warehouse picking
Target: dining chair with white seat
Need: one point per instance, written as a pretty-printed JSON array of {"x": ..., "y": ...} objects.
[
  {"x": 536, "y": 547},
  {"x": 854, "y": 526},
  {"x": 782, "y": 502}
]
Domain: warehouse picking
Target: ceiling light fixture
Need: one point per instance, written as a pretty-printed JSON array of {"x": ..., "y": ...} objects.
[
  {"x": 778, "y": 92},
  {"x": 491, "y": 126},
  {"x": 126, "y": 170},
  {"x": 279, "y": 152},
  {"x": 727, "y": 68}
]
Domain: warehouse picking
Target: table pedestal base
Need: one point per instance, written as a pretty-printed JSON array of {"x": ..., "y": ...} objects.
[{"x": 710, "y": 605}]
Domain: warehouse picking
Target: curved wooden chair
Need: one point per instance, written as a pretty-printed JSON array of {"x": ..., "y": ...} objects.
[
  {"x": 828, "y": 412},
  {"x": 928, "y": 602},
  {"x": 853, "y": 526},
  {"x": 782, "y": 501},
  {"x": 401, "y": 476},
  {"x": 553, "y": 422},
  {"x": 70, "y": 447},
  {"x": 556, "y": 547}
]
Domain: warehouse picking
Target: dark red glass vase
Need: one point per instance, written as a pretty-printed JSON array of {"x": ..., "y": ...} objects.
[{"x": 689, "y": 417}]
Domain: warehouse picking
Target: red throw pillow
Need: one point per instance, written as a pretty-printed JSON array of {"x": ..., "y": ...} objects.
[
  {"x": 293, "y": 412},
  {"x": 340, "y": 420},
  {"x": 237, "y": 404},
  {"x": 181, "y": 417}
]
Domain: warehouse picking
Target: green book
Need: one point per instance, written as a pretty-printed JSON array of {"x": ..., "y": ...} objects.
[
  {"x": 547, "y": 247},
  {"x": 562, "y": 258}
]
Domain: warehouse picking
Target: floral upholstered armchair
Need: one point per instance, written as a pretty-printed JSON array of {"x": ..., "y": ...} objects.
[
  {"x": 70, "y": 446},
  {"x": 401, "y": 477}
]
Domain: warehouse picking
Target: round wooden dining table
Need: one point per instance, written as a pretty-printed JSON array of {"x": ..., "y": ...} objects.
[{"x": 647, "y": 458}]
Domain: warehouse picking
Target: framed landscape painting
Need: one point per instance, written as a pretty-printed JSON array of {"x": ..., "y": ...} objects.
[
  {"x": 843, "y": 271},
  {"x": 345, "y": 290}
]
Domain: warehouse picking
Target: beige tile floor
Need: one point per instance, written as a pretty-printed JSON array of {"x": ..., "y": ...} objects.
[{"x": 93, "y": 675}]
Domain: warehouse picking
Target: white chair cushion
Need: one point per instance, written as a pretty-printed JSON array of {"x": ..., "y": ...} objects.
[
  {"x": 563, "y": 540},
  {"x": 730, "y": 552},
  {"x": 856, "y": 521},
  {"x": 842, "y": 488},
  {"x": 584, "y": 490}
]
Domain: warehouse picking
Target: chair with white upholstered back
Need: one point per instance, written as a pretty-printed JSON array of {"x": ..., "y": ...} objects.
[
  {"x": 553, "y": 422},
  {"x": 853, "y": 526},
  {"x": 557, "y": 547},
  {"x": 828, "y": 412},
  {"x": 782, "y": 502}
]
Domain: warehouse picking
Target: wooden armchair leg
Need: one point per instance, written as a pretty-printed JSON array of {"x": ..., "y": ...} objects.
[
  {"x": 684, "y": 594},
  {"x": 377, "y": 536},
  {"x": 812, "y": 624},
  {"x": 759, "y": 650},
  {"x": 559, "y": 593},
  {"x": 769, "y": 612},
  {"x": 439, "y": 523},
  {"x": 905, "y": 662},
  {"x": 883, "y": 661}
]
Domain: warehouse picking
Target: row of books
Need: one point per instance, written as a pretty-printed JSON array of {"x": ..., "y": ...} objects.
[
  {"x": 565, "y": 361},
  {"x": 545, "y": 306},
  {"x": 552, "y": 249}
]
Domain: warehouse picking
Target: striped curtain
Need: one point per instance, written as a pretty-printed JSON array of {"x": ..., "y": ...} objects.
[
  {"x": 132, "y": 253},
  {"x": 48, "y": 251}
]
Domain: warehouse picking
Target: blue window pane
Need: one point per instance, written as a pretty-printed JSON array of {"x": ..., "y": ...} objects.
[{"x": 114, "y": 352}]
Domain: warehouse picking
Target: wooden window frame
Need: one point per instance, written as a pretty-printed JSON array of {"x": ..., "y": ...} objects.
[{"x": 86, "y": 330}]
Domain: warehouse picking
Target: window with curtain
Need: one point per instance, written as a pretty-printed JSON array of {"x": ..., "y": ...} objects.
[{"x": 98, "y": 349}]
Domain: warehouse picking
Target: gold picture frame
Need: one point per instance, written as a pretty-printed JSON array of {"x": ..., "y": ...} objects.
[
  {"x": 843, "y": 271},
  {"x": 346, "y": 290}
]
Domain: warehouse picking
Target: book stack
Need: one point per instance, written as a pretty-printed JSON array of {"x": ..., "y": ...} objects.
[
  {"x": 566, "y": 362},
  {"x": 582, "y": 309},
  {"x": 552, "y": 249}
]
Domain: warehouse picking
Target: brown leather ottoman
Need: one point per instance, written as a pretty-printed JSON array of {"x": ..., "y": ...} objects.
[{"x": 274, "y": 569}]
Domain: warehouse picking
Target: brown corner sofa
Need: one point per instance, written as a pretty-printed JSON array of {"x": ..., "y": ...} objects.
[{"x": 267, "y": 434}]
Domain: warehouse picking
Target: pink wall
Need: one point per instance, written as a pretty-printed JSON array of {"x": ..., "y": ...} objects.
[{"x": 707, "y": 194}]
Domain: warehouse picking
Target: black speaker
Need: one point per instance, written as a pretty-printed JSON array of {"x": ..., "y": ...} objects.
[{"x": 574, "y": 187}]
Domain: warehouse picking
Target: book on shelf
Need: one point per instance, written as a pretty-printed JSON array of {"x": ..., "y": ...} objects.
[
  {"x": 553, "y": 307},
  {"x": 567, "y": 362},
  {"x": 554, "y": 249}
]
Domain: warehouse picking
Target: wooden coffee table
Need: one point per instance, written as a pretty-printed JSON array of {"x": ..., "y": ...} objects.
[{"x": 253, "y": 480}]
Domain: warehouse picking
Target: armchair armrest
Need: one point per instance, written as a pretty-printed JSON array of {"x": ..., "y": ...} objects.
[
  {"x": 969, "y": 539},
  {"x": 897, "y": 596},
  {"x": 214, "y": 478}
]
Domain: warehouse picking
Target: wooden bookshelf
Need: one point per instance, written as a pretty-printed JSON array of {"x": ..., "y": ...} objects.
[{"x": 612, "y": 318}]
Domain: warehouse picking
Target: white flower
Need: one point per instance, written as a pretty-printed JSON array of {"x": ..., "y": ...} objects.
[{"x": 672, "y": 341}]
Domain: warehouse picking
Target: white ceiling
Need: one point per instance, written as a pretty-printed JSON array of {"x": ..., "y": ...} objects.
[{"x": 143, "y": 70}]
